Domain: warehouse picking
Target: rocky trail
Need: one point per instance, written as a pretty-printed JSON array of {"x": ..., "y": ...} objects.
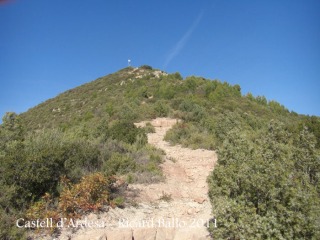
[{"x": 178, "y": 208}]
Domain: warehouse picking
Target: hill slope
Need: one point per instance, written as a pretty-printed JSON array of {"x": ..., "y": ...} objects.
[
  {"x": 144, "y": 93},
  {"x": 266, "y": 178}
]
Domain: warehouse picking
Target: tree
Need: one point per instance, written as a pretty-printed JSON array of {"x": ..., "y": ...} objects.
[{"x": 11, "y": 131}]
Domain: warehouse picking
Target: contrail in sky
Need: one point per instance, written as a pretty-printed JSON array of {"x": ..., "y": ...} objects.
[{"x": 182, "y": 42}]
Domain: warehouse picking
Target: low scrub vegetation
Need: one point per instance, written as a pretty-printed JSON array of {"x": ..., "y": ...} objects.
[
  {"x": 267, "y": 187},
  {"x": 265, "y": 184},
  {"x": 52, "y": 173},
  {"x": 90, "y": 194}
]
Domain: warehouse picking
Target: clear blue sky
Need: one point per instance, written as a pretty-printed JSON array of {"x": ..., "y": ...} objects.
[{"x": 270, "y": 48}]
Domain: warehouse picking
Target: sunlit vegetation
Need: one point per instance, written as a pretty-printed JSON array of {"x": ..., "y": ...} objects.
[{"x": 264, "y": 186}]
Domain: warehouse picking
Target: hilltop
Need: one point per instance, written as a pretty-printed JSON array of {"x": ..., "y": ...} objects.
[
  {"x": 137, "y": 94},
  {"x": 76, "y": 153},
  {"x": 140, "y": 93}
]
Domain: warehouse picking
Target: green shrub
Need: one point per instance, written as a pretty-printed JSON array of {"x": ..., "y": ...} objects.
[
  {"x": 109, "y": 108},
  {"x": 178, "y": 76},
  {"x": 127, "y": 113},
  {"x": 8, "y": 229},
  {"x": 125, "y": 131},
  {"x": 177, "y": 133},
  {"x": 83, "y": 158},
  {"x": 149, "y": 128},
  {"x": 141, "y": 140},
  {"x": 146, "y": 67},
  {"x": 260, "y": 188},
  {"x": 195, "y": 114},
  {"x": 119, "y": 164},
  {"x": 118, "y": 201},
  {"x": 166, "y": 91},
  {"x": 162, "y": 109},
  {"x": 38, "y": 163}
]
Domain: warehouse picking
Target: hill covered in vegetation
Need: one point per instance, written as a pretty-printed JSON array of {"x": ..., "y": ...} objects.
[{"x": 265, "y": 185}]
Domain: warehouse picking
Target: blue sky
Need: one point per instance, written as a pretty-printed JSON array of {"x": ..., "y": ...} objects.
[{"x": 269, "y": 48}]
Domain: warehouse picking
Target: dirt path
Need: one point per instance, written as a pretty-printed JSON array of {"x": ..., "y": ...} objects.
[{"x": 178, "y": 208}]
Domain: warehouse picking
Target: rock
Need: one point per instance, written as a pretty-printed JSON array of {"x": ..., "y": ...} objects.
[
  {"x": 185, "y": 235},
  {"x": 185, "y": 195},
  {"x": 200, "y": 200},
  {"x": 147, "y": 211},
  {"x": 144, "y": 233},
  {"x": 92, "y": 217},
  {"x": 120, "y": 234},
  {"x": 103, "y": 237},
  {"x": 165, "y": 234},
  {"x": 190, "y": 211},
  {"x": 91, "y": 236}
]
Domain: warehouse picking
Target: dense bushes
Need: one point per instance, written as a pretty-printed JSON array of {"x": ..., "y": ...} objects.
[
  {"x": 161, "y": 109},
  {"x": 7, "y": 231},
  {"x": 313, "y": 125},
  {"x": 35, "y": 166},
  {"x": 266, "y": 183},
  {"x": 259, "y": 190},
  {"x": 192, "y": 111},
  {"x": 32, "y": 165},
  {"x": 125, "y": 131},
  {"x": 92, "y": 193},
  {"x": 119, "y": 163}
]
